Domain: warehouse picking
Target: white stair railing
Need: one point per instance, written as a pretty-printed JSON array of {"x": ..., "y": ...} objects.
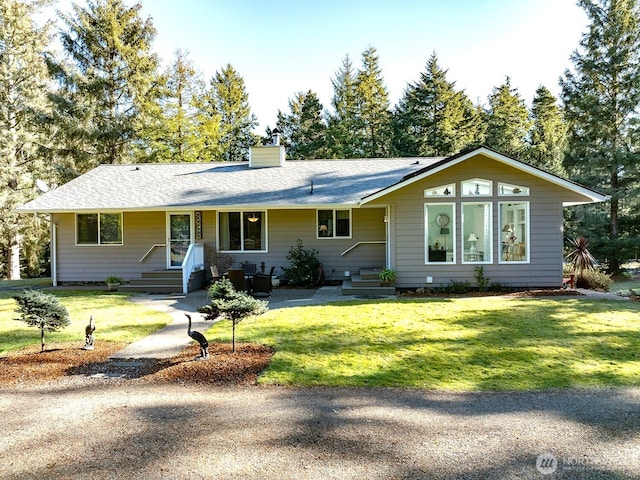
[{"x": 193, "y": 260}]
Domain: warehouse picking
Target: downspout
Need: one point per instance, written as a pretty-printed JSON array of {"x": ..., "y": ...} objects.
[{"x": 54, "y": 250}]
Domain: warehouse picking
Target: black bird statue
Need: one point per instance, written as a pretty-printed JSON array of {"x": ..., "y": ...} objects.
[
  {"x": 200, "y": 338},
  {"x": 88, "y": 335}
]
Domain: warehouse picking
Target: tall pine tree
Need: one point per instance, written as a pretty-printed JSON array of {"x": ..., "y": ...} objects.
[
  {"x": 303, "y": 130},
  {"x": 343, "y": 122},
  {"x": 433, "y": 118},
  {"x": 375, "y": 136},
  {"x": 508, "y": 122},
  {"x": 109, "y": 91},
  {"x": 230, "y": 100},
  {"x": 23, "y": 104},
  {"x": 549, "y": 133},
  {"x": 176, "y": 136},
  {"x": 602, "y": 101}
]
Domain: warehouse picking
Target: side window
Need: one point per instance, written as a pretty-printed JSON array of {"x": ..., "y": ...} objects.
[
  {"x": 99, "y": 229},
  {"x": 333, "y": 223},
  {"x": 514, "y": 231},
  {"x": 440, "y": 238}
]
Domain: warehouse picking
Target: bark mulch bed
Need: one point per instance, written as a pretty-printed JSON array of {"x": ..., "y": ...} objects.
[{"x": 222, "y": 367}]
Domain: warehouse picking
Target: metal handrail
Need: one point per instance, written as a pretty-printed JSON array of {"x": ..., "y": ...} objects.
[
  {"x": 155, "y": 245},
  {"x": 360, "y": 243}
]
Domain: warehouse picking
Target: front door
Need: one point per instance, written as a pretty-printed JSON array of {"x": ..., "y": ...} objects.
[{"x": 180, "y": 233}]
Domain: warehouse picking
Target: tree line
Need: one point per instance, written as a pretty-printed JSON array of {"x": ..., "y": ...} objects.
[{"x": 106, "y": 100}]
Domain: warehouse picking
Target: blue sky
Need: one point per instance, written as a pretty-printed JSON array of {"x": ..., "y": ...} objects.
[{"x": 284, "y": 47}]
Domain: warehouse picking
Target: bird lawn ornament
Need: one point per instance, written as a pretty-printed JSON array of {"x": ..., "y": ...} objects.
[
  {"x": 88, "y": 335},
  {"x": 200, "y": 338}
]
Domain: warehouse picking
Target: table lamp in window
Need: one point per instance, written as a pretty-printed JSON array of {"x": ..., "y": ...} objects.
[{"x": 472, "y": 240}]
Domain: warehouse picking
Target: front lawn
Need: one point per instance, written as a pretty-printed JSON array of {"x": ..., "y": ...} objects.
[
  {"x": 116, "y": 319},
  {"x": 488, "y": 343}
]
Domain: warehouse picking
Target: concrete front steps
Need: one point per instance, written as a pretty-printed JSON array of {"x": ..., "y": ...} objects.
[
  {"x": 366, "y": 282},
  {"x": 164, "y": 281}
]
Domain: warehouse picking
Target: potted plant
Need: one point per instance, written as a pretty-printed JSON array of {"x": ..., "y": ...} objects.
[
  {"x": 387, "y": 277},
  {"x": 113, "y": 282}
]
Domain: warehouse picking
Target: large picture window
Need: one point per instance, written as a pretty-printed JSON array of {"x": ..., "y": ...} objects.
[
  {"x": 242, "y": 231},
  {"x": 334, "y": 223},
  {"x": 440, "y": 233},
  {"x": 476, "y": 232},
  {"x": 99, "y": 229},
  {"x": 514, "y": 231}
]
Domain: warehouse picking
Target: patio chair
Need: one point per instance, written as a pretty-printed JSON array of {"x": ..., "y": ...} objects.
[
  {"x": 237, "y": 278},
  {"x": 262, "y": 284},
  {"x": 249, "y": 268},
  {"x": 215, "y": 276}
]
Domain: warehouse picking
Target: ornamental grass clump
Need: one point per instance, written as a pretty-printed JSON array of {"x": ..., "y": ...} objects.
[{"x": 42, "y": 310}]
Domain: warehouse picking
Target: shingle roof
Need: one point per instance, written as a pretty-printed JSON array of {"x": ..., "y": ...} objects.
[{"x": 219, "y": 185}]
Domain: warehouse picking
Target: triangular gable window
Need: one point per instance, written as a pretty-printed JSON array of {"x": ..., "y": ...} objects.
[
  {"x": 508, "y": 189},
  {"x": 441, "y": 191}
]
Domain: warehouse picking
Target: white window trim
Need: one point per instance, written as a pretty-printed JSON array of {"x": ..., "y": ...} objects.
[
  {"x": 242, "y": 212},
  {"x": 334, "y": 236},
  {"x": 476, "y": 180},
  {"x": 100, "y": 244},
  {"x": 488, "y": 250},
  {"x": 527, "y": 240},
  {"x": 526, "y": 191},
  {"x": 452, "y": 230},
  {"x": 451, "y": 187}
]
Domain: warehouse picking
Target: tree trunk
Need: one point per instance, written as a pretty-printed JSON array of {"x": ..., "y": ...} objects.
[
  {"x": 233, "y": 337},
  {"x": 614, "y": 261},
  {"x": 42, "y": 339},
  {"x": 13, "y": 262}
]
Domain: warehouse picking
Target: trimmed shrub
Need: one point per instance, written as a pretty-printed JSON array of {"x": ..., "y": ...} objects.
[
  {"x": 594, "y": 280},
  {"x": 303, "y": 271}
]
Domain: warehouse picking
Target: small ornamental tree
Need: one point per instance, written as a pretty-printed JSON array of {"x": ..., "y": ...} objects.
[
  {"x": 42, "y": 310},
  {"x": 228, "y": 303},
  {"x": 238, "y": 307}
]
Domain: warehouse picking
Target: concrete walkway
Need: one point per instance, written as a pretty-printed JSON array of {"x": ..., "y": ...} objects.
[{"x": 173, "y": 338}]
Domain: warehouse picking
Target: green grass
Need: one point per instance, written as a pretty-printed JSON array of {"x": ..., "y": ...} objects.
[
  {"x": 463, "y": 344},
  {"x": 116, "y": 319}
]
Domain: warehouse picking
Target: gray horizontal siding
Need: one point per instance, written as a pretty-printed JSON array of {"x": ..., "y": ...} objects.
[
  {"x": 95, "y": 263},
  {"x": 285, "y": 227},
  {"x": 545, "y": 242}
]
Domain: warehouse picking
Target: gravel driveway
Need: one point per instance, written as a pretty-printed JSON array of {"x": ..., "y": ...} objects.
[{"x": 82, "y": 427}]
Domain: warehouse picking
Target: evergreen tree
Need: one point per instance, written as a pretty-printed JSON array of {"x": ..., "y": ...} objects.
[
  {"x": 109, "y": 91},
  {"x": 548, "y": 134},
  {"x": 508, "y": 121},
  {"x": 303, "y": 130},
  {"x": 602, "y": 101},
  {"x": 373, "y": 108},
  {"x": 178, "y": 138},
  {"x": 23, "y": 103},
  {"x": 231, "y": 102},
  {"x": 344, "y": 121},
  {"x": 433, "y": 118}
]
